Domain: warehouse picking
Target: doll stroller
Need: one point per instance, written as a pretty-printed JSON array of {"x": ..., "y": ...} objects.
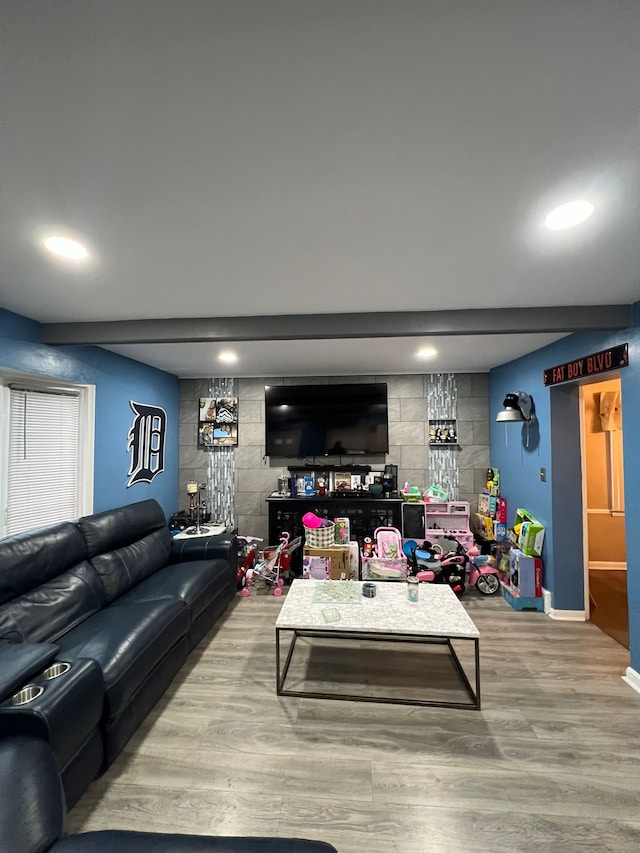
[
  {"x": 269, "y": 572},
  {"x": 387, "y": 562}
]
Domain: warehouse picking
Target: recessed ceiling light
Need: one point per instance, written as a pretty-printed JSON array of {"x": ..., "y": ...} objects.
[
  {"x": 228, "y": 357},
  {"x": 65, "y": 247},
  {"x": 426, "y": 352},
  {"x": 569, "y": 214}
]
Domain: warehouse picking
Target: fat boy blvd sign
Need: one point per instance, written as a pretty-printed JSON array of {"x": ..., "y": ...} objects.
[{"x": 588, "y": 365}]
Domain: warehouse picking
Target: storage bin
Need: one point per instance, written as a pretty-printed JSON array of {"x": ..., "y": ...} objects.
[{"x": 320, "y": 537}]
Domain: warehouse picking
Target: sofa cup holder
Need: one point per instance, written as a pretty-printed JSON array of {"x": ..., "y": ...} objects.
[
  {"x": 29, "y": 693},
  {"x": 56, "y": 670}
]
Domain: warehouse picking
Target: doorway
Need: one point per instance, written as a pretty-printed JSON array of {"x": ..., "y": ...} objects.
[{"x": 603, "y": 507}]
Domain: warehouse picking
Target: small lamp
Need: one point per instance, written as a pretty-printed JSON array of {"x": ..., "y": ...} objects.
[{"x": 517, "y": 407}]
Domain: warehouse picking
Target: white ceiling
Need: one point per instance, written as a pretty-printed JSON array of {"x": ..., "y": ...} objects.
[{"x": 263, "y": 157}]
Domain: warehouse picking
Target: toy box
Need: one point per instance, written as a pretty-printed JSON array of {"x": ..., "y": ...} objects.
[
  {"x": 500, "y": 551},
  {"x": 484, "y": 527},
  {"x": 500, "y": 532},
  {"x": 342, "y": 531},
  {"x": 525, "y": 574},
  {"x": 487, "y": 505},
  {"x": 492, "y": 486},
  {"x": 501, "y": 510},
  {"x": 528, "y": 533},
  {"x": 354, "y": 561},
  {"x": 335, "y": 560},
  {"x": 316, "y": 568},
  {"x": 518, "y": 602}
]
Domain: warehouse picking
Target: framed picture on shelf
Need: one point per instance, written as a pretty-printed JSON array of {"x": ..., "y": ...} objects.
[
  {"x": 343, "y": 481},
  {"x": 218, "y": 422}
]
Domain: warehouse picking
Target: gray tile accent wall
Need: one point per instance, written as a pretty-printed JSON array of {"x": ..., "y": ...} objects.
[
  {"x": 473, "y": 434},
  {"x": 254, "y": 476},
  {"x": 214, "y": 466},
  {"x": 442, "y": 404}
]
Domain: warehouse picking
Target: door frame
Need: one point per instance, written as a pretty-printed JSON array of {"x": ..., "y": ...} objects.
[{"x": 614, "y": 374}]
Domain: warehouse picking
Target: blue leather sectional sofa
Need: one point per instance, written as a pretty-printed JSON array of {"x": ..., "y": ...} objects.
[{"x": 119, "y": 604}]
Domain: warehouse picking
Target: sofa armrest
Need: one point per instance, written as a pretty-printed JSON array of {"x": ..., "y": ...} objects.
[
  {"x": 21, "y": 661},
  {"x": 223, "y": 546},
  {"x": 123, "y": 841}
]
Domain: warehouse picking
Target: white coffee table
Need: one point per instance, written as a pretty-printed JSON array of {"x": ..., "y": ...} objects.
[{"x": 329, "y": 609}]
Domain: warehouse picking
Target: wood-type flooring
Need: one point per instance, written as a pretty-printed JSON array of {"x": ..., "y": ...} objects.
[{"x": 551, "y": 762}]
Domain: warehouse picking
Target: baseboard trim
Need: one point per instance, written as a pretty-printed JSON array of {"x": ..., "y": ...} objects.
[
  {"x": 632, "y": 678},
  {"x": 546, "y": 601},
  {"x": 568, "y": 615},
  {"x": 601, "y": 564}
]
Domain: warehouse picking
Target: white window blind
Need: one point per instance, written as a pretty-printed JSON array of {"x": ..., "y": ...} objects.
[{"x": 43, "y": 484}]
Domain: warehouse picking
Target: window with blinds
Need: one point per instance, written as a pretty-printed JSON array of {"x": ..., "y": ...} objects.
[{"x": 43, "y": 482}]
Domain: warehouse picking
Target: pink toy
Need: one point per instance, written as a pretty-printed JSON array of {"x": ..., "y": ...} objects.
[
  {"x": 268, "y": 571},
  {"x": 310, "y": 519},
  {"x": 483, "y": 575},
  {"x": 388, "y": 561}
]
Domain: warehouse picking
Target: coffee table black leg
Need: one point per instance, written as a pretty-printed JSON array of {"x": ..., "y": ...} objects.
[
  {"x": 476, "y": 643},
  {"x": 280, "y": 678},
  {"x": 475, "y": 696}
]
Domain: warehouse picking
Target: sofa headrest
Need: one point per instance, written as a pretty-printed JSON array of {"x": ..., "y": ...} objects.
[
  {"x": 30, "y": 559},
  {"x": 32, "y": 802},
  {"x": 116, "y": 528}
]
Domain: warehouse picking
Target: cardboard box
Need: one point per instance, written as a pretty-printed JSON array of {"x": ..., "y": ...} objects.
[
  {"x": 525, "y": 574},
  {"x": 500, "y": 552},
  {"x": 316, "y": 568},
  {"x": 337, "y": 555},
  {"x": 487, "y": 505},
  {"x": 499, "y": 531},
  {"x": 484, "y": 527},
  {"x": 529, "y": 533}
]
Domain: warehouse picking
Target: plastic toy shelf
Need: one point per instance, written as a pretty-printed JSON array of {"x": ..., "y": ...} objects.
[{"x": 443, "y": 432}]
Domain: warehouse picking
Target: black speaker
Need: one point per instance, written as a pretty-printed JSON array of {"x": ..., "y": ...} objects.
[
  {"x": 390, "y": 480},
  {"x": 414, "y": 521}
]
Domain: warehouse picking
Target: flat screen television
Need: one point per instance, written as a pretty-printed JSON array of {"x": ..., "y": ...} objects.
[{"x": 326, "y": 420}]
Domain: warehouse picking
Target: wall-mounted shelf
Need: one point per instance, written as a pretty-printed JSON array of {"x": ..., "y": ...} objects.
[
  {"x": 319, "y": 466},
  {"x": 443, "y": 432}
]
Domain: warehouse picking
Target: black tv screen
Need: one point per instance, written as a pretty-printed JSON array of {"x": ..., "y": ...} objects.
[{"x": 326, "y": 420}]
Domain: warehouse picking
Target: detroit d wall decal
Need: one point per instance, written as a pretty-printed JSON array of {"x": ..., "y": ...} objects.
[{"x": 146, "y": 442}]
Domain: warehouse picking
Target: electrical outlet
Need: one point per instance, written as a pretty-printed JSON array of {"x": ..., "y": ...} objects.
[{"x": 543, "y": 475}]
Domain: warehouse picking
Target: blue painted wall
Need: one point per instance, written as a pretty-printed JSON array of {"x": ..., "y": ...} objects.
[
  {"x": 520, "y": 466},
  {"x": 117, "y": 380}
]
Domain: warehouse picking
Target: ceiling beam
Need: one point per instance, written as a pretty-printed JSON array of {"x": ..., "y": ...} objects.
[{"x": 291, "y": 327}]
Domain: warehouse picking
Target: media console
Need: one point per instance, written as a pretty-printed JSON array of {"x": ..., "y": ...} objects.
[{"x": 364, "y": 514}]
